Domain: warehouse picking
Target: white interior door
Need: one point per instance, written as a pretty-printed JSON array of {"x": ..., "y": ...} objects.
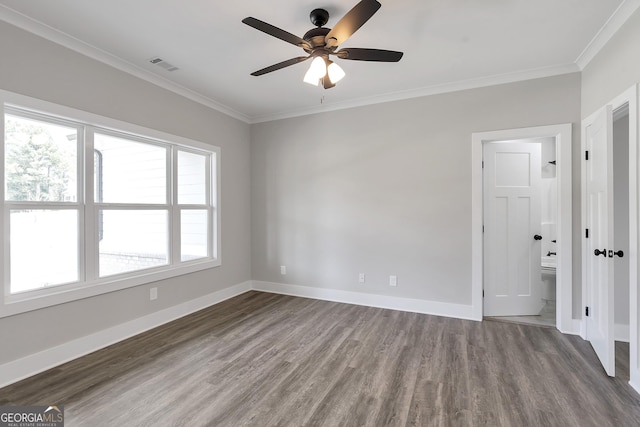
[
  {"x": 600, "y": 271},
  {"x": 512, "y": 205}
]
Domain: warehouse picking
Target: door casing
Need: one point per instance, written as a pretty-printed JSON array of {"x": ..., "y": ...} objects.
[
  {"x": 563, "y": 135},
  {"x": 630, "y": 97}
]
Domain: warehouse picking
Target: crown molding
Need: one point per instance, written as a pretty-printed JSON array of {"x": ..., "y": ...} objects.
[
  {"x": 613, "y": 24},
  {"x": 56, "y": 36},
  {"x": 425, "y": 91}
]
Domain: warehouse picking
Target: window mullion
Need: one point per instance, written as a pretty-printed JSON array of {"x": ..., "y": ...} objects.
[
  {"x": 209, "y": 202},
  {"x": 214, "y": 218},
  {"x": 90, "y": 216},
  {"x": 174, "y": 209}
]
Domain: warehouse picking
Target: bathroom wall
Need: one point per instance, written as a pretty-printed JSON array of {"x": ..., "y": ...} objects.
[{"x": 549, "y": 211}]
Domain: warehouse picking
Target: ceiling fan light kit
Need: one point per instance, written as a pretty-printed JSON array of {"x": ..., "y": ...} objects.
[{"x": 320, "y": 42}]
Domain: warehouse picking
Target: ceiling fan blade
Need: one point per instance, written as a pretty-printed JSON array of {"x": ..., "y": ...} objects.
[
  {"x": 276, "y": 32},
  {"x": 350, "y": 22},
  {"x": 360, "y": 54},
  {"x": 280, "y": 65}
]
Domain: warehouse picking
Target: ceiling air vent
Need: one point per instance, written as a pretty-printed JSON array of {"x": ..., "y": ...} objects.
[{"x": 163, "y": 64}]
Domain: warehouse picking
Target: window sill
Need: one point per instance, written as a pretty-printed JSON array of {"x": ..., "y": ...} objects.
[{"x": 42, "y": 298}]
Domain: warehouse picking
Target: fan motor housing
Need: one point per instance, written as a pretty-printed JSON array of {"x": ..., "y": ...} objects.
[
  {"x": 319, "y": 17},
  {"x": 316, "y": 37}
]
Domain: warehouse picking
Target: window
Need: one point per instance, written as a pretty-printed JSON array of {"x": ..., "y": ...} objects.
[{"x": 89, "y": 209}]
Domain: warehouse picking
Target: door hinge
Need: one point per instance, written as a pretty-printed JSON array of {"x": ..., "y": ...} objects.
[
  {"x": 483, "y": 228},
  {"x": 483, "y": 293},
  {"x": 483, "y": 164},
  {"x": 586, "y": 233},
  {"x": 586, "y": 155},
  {"x": 586, "y": 311}
]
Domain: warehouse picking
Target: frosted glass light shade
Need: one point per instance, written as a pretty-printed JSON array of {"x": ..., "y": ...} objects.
[
  {"x": 317, "y": 70},
  {"x": 336, "y": 73},
  {"x": 311, "y": 78}
]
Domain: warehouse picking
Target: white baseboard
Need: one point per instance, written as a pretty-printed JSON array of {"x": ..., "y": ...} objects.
[
  {"x": 27, "y": 366},
  {"x": 634, "y": 381},
  {"x": 574, "y": 327},
  {"x": 436, "y": 308},
  {"x": 32, "y": 364},
  {"x": 621, "y": 332}
]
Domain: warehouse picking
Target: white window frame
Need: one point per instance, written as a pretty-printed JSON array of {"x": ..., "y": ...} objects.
[{"x": 89, "y": 283}]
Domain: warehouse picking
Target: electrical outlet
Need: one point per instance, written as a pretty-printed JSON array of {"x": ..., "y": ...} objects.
[
  {"x": 153, "y": 294},
  {"x": 361, "y": 278},
  {"x": 283, "y": 269},
  {"x": 393, "y": 280}
]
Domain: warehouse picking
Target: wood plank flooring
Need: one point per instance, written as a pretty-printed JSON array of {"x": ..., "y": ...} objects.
[{"x": 271, "y": 360}]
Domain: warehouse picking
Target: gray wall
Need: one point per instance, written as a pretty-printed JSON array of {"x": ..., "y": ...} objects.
[
  {"x": 615, "y": 69},
  {"x": 34, "y": 67},
  {"x": 386, "y": 189}
]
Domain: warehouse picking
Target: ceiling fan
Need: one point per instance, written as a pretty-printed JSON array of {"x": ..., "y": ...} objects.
[{"x": 320, "y": 42}]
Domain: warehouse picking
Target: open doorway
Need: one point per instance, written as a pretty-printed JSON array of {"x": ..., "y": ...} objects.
[
  {"x": 609, "y": 217},
  {"x": 562, "y": 135}
]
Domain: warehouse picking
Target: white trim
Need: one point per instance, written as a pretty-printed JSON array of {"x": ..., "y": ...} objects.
[
  {"x": 629, "y": 96},
  {"x": 493, "y": 80},
  {"x": 576, "y": 324},
  {"x": 564, "y": 292},
  {"x": 56, "y": 36},
  {"x": 32, "y": 364},
  {"x": 634, "y": 240},
  {"x": 458, "y": 311},
  {"x": 608, "y": 30},
  {"x": 621, "y": 332},
  {"x": 102, "y": 123}
]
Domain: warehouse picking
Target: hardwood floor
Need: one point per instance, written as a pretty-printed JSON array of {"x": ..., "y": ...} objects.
[{"x": 270, "y": 360}]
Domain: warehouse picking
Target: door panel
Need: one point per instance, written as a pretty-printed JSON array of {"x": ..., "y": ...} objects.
[
  {"x": 600, "y": 269},
  {"x": 512, "y": 205}
]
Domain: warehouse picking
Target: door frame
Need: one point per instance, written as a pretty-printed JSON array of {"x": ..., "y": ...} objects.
[
  {"x": 630, "y": 96},
  {"x": 564, "y": 273}
]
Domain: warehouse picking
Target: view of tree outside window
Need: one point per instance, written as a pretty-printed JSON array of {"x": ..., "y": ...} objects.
[
  {"x": 40, "y": 161},
  {"x": 40, "y": 166}
]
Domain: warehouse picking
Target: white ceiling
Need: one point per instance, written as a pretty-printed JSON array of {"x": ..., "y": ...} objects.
[{"x": 447, "y": 44}]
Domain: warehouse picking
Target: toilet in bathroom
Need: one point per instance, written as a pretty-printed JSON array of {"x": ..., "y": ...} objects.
[
  {"x": 548, "y": 261},
  {"x": 548, "y": 281}
]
